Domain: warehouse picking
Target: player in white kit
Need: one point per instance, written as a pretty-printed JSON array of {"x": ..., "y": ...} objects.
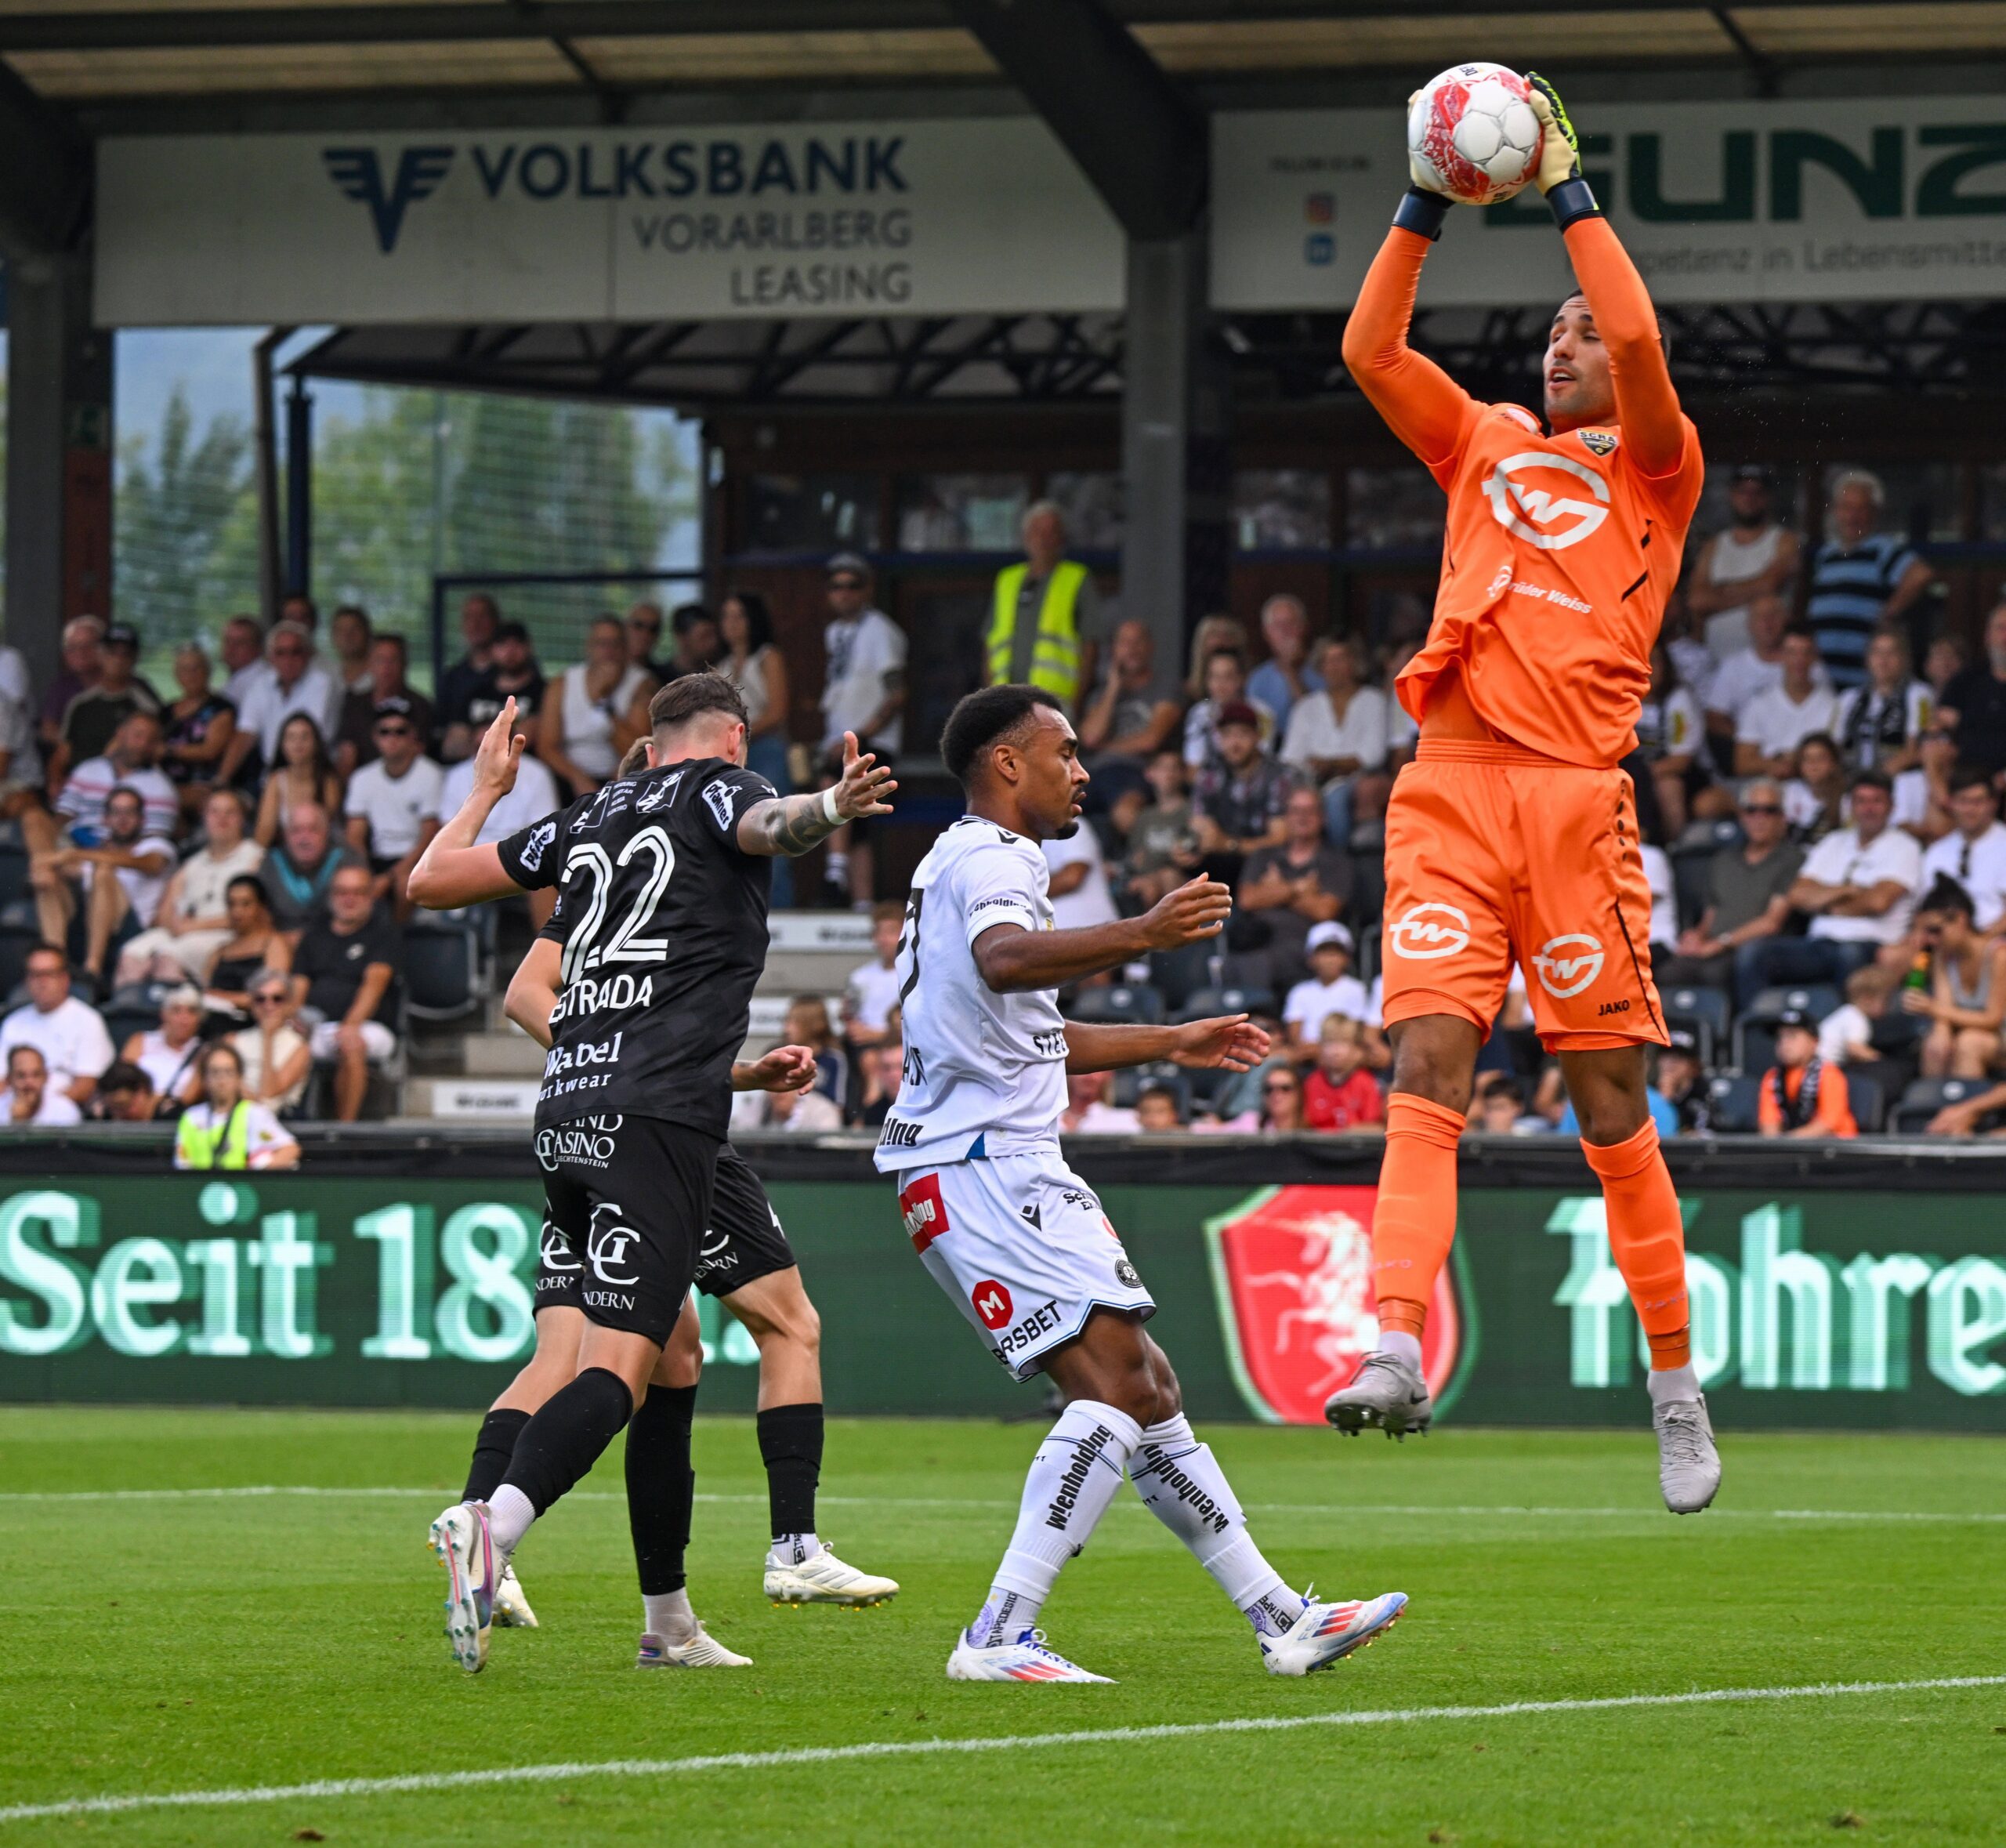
[{"x": 1013, "y": 1236}]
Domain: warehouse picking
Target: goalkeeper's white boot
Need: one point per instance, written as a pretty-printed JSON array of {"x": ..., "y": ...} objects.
[
  {"x": 1689, "y": 1465},
  {"x": 703, "y": 1650},
  {"x": 1028, "y": 1659},
  {"x": 1325, "y": 1634},
  {"x": 824, "y": 1580},
  {"x": 511, "y": 1609}
]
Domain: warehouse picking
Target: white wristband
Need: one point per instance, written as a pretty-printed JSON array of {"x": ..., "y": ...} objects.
[{"x": 829, "y": 807}]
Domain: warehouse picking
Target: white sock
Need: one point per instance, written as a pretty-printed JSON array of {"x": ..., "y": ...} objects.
[
  {"x": 509, "y": 1513},
  {"x": 1182, "y": 1484},
  {"x": 1406, "y": 1347},
  {"x": 1072, "y": 1480},
  {"x": 668, "y": 1615},
  {"x": 1668, "y": 1383},
  {"x": 836, "y": 868},
  {"x": 793, "y": 1549}
]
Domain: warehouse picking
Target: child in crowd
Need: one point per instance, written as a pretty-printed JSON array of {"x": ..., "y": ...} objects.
[
  {"x": 1802, "y": 1096},
  {"x": 1846, "y": 1035},
  {"x": 1339, "y": 1093},
  {"x": 1331, "y": 989}
]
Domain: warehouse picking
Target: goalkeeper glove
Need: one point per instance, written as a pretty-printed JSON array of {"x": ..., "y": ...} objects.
[
  {"x": 1559, "y": 176},
  {"x": 1420, "y": 209}
]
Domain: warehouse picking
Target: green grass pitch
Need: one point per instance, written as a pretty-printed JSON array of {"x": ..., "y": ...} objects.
[{"x": 204, "y": 1643}]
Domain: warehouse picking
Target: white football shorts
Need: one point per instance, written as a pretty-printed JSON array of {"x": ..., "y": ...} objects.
[{"x": 1021, "y": 1243}]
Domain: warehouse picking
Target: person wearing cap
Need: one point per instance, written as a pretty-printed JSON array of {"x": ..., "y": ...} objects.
[
  {"x": 1802, "y": 1095},
  {"x": 1046, "y": 623},
  {"x": 1285, "y": 891},
  {"x": 388, "y": 678},
  {"x": 93, "y": 718},
  {"x": 170, "y": 1054},
  {"x": 1681, "y": 1080},
  {"x": 864, "y": 691},
  {"x": 1239, "y": 800},
  {"x": 1330, "y": 988},
  {"x": 1753, "y": 556},
  {"x": 393, "y": 807}
]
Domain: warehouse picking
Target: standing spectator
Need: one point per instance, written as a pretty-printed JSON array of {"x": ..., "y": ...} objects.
[
  {"x": 66, "y": 1031},
  {"x": 697, "y": 644},
  {"x": 757, "y": 668},
  {"x": 588, "y": 719},
  {"x": 346, "y": 970},
  {"x": 481, "y": 616},
  {"x": 1337, "y": 738},
  {"x": 1285, "y": 891},
  {"x": 124, "y": 873},
  {"x": 864, "y": 691},
  {"x": 393, "y": 803},
  {"x": 274, "y": 1052},
  {"x": 301, "y": 771},
  {"x": 1163, "y": 837},
  {"x": 1802, "y": 1095},
  {"x": 299, "y": 867},
  {"x": 91, "y": 720},
  {"x": 1339, "y": 1093},
  {"x": 1966, "y": 999},
  {"x": 1225, "y": 685},
  {"x": 227, "y": 1129},
  {"x": 1087, "y": 1112},
  {"x": 197, "y": 728},
  {"x": 1773, "y": 724},
  {"x": 1860, "y": 579},
  {"x": 1880, "y": 724},
  {"x": 1974, "y": 853},
  {"x": 350, "y": 632},
  {"x": 256, "y": 947},
  {"x": 1127, "y": 720},
  {"x": 1748, "y": 885},
  {"x": 1330, "y": 988},
  {"x": 870, "y": 997},
  {"x": 1757, "y": 669},
  {"x": 295, "y": 684},
  {"x": 1045, "y": 621},
  {"x": 168, "y": 1054},
  {"x": 1974, "y": 709},
  {"x": 644, "y": 627},
  {"x": 194, "y": 919},
  {"x": 1237, "y": 802},
  {"x": 1285, "y": 675},
  {"x": 32, "y": 1102},
  {"x": 83, "y": 664},
  {"x": 1815, "y": 798},
  {"x": 1754, "y": 557},
  {"x": 387, "y": 677},
  {"x": 242, "y": 647},
  {"x": 1078, "y": 891}
]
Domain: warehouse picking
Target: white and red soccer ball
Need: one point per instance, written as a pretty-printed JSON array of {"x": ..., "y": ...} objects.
[{"x": 1472, "y": 135}]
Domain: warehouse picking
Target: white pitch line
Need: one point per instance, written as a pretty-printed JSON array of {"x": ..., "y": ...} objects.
[{"x": 821, "y": 1755}]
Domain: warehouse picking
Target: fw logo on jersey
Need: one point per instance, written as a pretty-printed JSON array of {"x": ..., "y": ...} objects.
[
  {"x": 1548, "y": 514},
  {"x": 1292, "y": 1268},
  {"x": 1430, "y": 932}
]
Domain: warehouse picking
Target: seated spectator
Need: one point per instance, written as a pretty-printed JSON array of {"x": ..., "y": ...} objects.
[
  {"x": 1682, "y": 1082},
  {"x": 1087, "y": 1112},
  {"x": 535, "y": 795},
  {"x": 198, "y": 727},
  {"x": 883, "y": 1073},
  {"x": 697, "y": 646},
  {"x": 93, "y": 717},
  {"x": 1747, "y": 893},
  {"x": 83, "y": 664},
  {"x": 1402, "y": 735},
  {"x": 595, "y": 710},
  {"x": 1672, "y": 737},
  {"x": 1127, "y": 720},
  {"x": 1157, "y": 1109},
  {"x": 1162, "y": 837},
  {"x": 295, "y": 685},
  {"x": 1965, "y": 1002},
  {"x": 1285, "y": 891},
  {"x": 644, "y": 624},
  {"x": 1860, "y": 580},
  {"x": 255, "y": 944},
  {"x": 1280, "y": 1112},
  {"x": 242, "y": 647},
  {"x": 124, "y": 874},
  {"x": 797, "y": 1113},
  {"x": 68, "y": 1032},
  {"x": 393, "y": 803},
  {"x": 350, "y": 634},
  {"x": 871, "y": 996},
  {"x": 1922, "y": 795},
  {"x": 1814, "y": 800},
  {"x": 131, "y": 760},
  {"x": 1974, "y": 853},
  {"x": 1211, "y": 634},
  {"x": 1757, "y": 669},
  {"x": 227, "y": 1129},
  {"x": 512, "y": 674},
  {"x": 1857, "y": 887},
  {"x": 1339, "y": 1093},
  {"x": 355, "y": 740},
  {"x": 346, "y": 970},
  {"x": 1660, "y": 1107},
  {"x": 125, "y": 1095},
  {"x": 302, "y": 772},
  {"x": 1078, "y": 888},
  {"x": 1846, "y": 1035},
  {"x": 1802, "y": 1095},
  {"x": 192, "y": 923},
  {"x": 1285, "y": 675},
  {"x": 480, "y": 618},
  {"x": 1773, "y": 724},
  {"x": 1664, "y": 894},
  {"x": 298, "y": 872},
  {"x": 1976, "y": 1116},
  {"x": 1330, "y": 988},
  {"x": 1337, "y": 740},
  {"x": 1225, "y": 686},
  {"x": 170, "y": 1053},
  {"x": 1945, "y": 659},
  {"x": 33, "y": 1103},
  {"x": 1880, "y": 724},
  {"x": 1238, "y": 800},
  {"x": 22, "y": 783},
  {"x": 276, "y": 1057},
  {"x": 1498, "y": 1107},
  {"x": 1974, "y": 704},
  {"x": 807, "y": 1025}
]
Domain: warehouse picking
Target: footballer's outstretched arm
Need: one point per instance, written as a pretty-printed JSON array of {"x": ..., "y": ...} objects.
[
  {"x": 1422, "y": 405},
  {"x": 1231, "y": 1041},
  {"x": 790, "y": 825},
  {"x": 1010, "y": 959},
  {"x": 453, "y": 871}
]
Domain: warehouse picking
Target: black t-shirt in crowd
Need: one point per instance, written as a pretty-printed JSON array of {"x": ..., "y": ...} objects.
[
  {"x": 488, "y": 698},
  {"x": 1978, "y": 697},
  {"x": 663, "y": 918},
  {"x": 333, "y": 966}
]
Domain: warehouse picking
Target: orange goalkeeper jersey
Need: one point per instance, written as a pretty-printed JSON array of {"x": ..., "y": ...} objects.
[{"x": 1561, "y": 550}]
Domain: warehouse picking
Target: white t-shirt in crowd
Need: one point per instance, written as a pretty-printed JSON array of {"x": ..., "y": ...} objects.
[
  {"x": 588, "y": 723},
  {"x": 205, "y": 878},
  {"x": 1106, "y": 1119},
  {"x": 862, "y": 654},
  {"x": 168, "y": 1066},
  {"x": 1090, "y": 902},
  {"x": 1978, "y": 866},
  {"x": 56, "y": 1111},
  {"x": 870, "y": 993},
  {"x": 145, "y": 883},
  {"x": 986, "y": 1067},
  {"x": 1842, "y": 859},
  {"x": 90, "y": 787},
  {"x": 1670, "y": 727},
  {"x": 1664, "y": 897},
  {"x": 395, "y": 807},
  {"x": 1739, "y": 678},
  {"x": 533, "y": 796},
  {"x": 17, "y": 739},
  {"x": 1842, "y": 1027},
  {"x": 1315, "y": 731},
  {"x": 1774, "y": 723},
  {"x": 239, "y": 688},
  {"x": 1309, "y": 1002},
  {"x": 71, "y": 1039},
  {"x": 267, "y": 706}
]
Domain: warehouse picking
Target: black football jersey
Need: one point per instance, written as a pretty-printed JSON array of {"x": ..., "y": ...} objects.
[{"x": 663, "y": 920}]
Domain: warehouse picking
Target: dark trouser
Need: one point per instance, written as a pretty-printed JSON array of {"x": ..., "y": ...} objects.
[
  {"x": 1694, "y": 972},
  {"x": 1785, "y": 962}
]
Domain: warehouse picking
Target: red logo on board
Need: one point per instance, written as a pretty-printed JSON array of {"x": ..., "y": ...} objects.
[{"x": 992, "y": 1303}]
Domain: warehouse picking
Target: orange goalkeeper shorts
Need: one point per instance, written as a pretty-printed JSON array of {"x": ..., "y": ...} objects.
[{"x": 1495, "y": 854}]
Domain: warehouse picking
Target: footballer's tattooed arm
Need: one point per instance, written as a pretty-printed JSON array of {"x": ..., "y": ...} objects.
[
  {"x": 454, "y": 869},
  {"x": 791, "y": 824}
]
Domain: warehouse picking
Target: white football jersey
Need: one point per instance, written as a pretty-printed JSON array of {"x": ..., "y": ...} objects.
[{"x": 984, "y": 1073}]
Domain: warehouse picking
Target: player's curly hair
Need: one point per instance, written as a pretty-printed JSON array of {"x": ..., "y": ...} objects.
[
  {"x": 686, "y": 699},
  {"x": 983, "y": 717}
]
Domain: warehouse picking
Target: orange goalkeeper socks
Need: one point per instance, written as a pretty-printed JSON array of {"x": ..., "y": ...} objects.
[
  {"x": 1414, "y": 1221},
  {"x": 1647, "y": 1239}
]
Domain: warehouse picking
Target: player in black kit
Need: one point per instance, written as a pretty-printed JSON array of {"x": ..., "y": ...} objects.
[{"x": 662, "y": 883}]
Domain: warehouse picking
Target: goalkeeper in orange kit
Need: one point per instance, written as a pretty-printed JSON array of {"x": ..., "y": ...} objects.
[{"x": 1513, "y": 834}]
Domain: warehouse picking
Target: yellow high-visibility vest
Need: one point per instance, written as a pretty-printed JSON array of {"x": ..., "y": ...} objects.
[
  {"x": 1055, "y": 655},
  {"x": 228, "y": 1148}
]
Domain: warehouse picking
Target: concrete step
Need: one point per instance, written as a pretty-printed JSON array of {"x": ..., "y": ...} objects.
[
  {"x": 509, "y": 1055},
  {"x": 471, "y": 1101}
]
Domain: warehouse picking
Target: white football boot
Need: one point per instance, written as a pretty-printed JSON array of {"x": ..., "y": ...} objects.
[
  {"x": 1028, "y": 1659},
  {"x": 703, "y": 1650},
  {"x": 1325, "y": 1634},
  {"x": 825, "y": 1580},
  {"x": 1688, "y": 1466},
  {"x": 460, "y": 1542},
  {"x": 511, "y": 1609},
  {"x": 1385, "y": 1394}
]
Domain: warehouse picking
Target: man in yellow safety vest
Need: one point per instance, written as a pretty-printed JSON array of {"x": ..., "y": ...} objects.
[{"x": 1045, "y": 620}]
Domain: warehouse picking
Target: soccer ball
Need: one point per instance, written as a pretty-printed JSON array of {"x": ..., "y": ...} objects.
[{"x": 1471, "y": 133}]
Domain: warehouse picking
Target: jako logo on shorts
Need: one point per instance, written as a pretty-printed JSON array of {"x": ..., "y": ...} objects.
[
  {"x": 992, "y": 1303},
  {"x": 1567, "y": 521},
  {"x": 1430, "y": 931},
  {"x": 607, "y": 1247},
  {"x": 1561, "y": 975}
]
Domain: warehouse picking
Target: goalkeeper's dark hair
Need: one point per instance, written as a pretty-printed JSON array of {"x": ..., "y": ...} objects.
[
  {"x": 1657, "y": 320},
  {"x": 692, "y": 696},
  {"x": 982, "y": 718}
]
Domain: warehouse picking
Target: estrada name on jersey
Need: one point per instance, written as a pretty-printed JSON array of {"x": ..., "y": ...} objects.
[
  {"x": 984, "y": 1073},
  {"x": 663, "y": 920}
]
